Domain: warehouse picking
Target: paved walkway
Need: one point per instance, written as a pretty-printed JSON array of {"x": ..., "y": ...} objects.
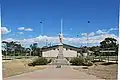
[{"x": 52, "y": 73}]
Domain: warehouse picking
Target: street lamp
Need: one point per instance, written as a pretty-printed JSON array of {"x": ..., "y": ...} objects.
[
  {"x": 87, "y": 40},
  {"x": 41, "y": 27}
]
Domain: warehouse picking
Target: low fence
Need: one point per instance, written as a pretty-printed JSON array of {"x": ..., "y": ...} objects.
[
  {"x": 111, "y": 58},
  {"x": 18, "y": 57}
]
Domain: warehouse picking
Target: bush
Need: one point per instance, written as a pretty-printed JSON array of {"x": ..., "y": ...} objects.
[
  {"x": 108, "y": 63},
  {"x": 39, "y": 61},
  {"x": 85, "y": 67},
  {"x": 77, "y": 61},
  {"x": 50, "y": 61},
  {"x": 67, "y": 58},
  {"x": 88, "y": 64},
  {"x": 18, "y": 57},
  {"x": 31, "y": 64}
]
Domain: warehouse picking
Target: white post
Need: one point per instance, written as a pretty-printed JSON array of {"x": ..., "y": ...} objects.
[
  {"x": 41, "y": 26},
  {"x": 61, "y": 26},
  {"x": 87, "y": 45}
]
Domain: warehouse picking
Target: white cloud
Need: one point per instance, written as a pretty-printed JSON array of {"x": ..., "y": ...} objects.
[
  {"x": 20, "y": 33},
  {"x": 9, "y": 39},
  {"x": 4, "y": 30},
  {"x": 92, "y": 39},
  {"x": 21, "y": 28},
  {"x": 28, "y": 29},
  {"x": 91, "y": 34},
  {"x": 25, "y": 29},
  {"x": 84, "y": 34},
  {"x": 112, "y": 29},
  {"x": 67, "y": 40},
  {"x": 100, "y": 32}
]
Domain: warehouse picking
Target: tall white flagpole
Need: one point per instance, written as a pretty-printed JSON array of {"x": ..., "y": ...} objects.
[{"x": 61, "y": 26}]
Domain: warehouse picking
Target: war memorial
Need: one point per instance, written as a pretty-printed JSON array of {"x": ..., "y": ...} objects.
[{"x": 59, "y": 40}]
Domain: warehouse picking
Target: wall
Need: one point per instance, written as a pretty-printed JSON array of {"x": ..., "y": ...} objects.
[{"x": 54, "y": 53}]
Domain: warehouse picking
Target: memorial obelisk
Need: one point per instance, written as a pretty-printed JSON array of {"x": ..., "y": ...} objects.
[
  {"x": 60, "y": 47},
  {"x": 60, "y": 60}
]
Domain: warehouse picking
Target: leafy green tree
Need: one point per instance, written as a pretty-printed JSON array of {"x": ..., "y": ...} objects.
[
  {"x": 9, "y": 47},
  {"x": 34, "y": 47},
  {"x": 13, "y": 48},
  {"x": 28, "y": 50},
  {"x": 109, "y": 44}
]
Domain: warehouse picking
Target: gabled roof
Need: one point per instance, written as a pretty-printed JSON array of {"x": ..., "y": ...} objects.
[{"x": 64, "y": 46}]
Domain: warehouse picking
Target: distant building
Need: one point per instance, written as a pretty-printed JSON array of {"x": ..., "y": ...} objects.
[{"x": 68, "y": 51}]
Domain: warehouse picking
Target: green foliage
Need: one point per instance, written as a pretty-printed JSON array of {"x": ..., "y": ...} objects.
[
  {"x": 18, "y": 57},
  {"x": 77, "y": 61},
  {"x": 85, "y": 67},
  {"x": 87, "y": 64},
  {"x": 39, "y": 61},
  {"x": 31, "y": 64},
  {"x": 12, "y": 47},
  {"x": 80, "y": 61},
  {"x": 108, "y": 63},
  {"x": 108, "y": 43},
  {"x": 67, "y": 58},
  {"x": 35, "y": 50},
  {"x": 50, "y": 61}
]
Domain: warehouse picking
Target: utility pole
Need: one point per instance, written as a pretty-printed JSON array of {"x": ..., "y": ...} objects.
[
  {"x": 41, "y": 30},
  {"x": 41, "y": 26},
  {"x": 61, "y": 26},
  {"x": 87, "y": 40},
  {"x": 87, "y": 43}
]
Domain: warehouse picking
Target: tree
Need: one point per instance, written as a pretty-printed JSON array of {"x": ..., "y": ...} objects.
[
  {"x": 109, "y": 44},
  {"x": 8, "y": 47},
  {"x": 19, "y": 49},
  {"x": 13, "y": 47},
  {"x": 34, "y": 47}
]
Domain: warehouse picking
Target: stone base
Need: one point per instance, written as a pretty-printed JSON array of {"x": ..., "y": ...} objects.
[
  {"x": 60, "y": 44},
  {"x": 60, "y": 62}
]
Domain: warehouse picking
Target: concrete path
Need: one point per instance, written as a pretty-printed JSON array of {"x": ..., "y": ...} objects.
[{"x": 52, "y": 73}]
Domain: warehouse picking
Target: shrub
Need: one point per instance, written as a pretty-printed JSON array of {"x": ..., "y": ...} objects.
[
  {"x": 31, "y": 64},
  {"x": 39, "y": 61},
  {"x": 6, "y": 59},
  {"x": 108, "y": 63},
  {"x": 67, "y": 58},
  {"x": 50, "y": 61},
  {"x": 18, "y": 57},
  {"x": 88, "y": 64},
  {"x": 85, "y": 67},
  {"x": 77, "y": 61}
]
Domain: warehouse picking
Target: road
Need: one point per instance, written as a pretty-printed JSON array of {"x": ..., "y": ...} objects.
[{"x": 52, "y": 73}]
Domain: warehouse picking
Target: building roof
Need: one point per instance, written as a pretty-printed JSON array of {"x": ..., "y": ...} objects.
[{"x": 64, "y": 46}]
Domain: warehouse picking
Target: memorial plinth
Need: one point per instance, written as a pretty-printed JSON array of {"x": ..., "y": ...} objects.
[{"x": 60, "y": 60}]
